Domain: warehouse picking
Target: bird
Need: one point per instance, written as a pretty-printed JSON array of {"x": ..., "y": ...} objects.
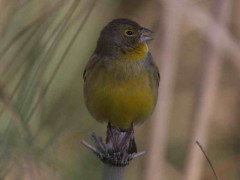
[{"x": 121, "y": 79}]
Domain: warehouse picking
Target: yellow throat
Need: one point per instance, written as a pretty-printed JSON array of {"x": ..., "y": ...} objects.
[{"x": 136, "y": 53}]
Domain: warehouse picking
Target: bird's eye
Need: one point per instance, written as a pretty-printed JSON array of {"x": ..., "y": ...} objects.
[{"x": 129, "y": 32}]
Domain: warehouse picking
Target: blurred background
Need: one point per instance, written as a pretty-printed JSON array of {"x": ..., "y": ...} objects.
[{"x": 44, "y": 48}]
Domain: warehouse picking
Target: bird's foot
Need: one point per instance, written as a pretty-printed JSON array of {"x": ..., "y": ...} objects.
[{"x": 116, "y": 150}]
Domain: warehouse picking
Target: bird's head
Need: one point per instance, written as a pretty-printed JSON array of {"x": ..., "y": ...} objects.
[{"x": 123, "y": 35}]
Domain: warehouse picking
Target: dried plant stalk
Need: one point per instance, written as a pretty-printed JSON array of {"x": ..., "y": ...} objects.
[
  {"x": 154, "y": 167},
  {"x": 204, "y": 22},
  {"x": 113, "y": 172},
  {"x": 114, "y": 153},
  {"x": 211, "y": 58}
]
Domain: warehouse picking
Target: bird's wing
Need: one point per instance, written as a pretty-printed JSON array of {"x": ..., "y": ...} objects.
[
  {"x": 153, "y": 68},
  {"x": 91, "y": 63}
]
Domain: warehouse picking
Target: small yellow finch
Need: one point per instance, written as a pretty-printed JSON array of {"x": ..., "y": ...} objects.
[{"x": 121, "y": 78}]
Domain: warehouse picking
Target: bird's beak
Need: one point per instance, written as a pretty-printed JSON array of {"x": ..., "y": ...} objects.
[{"x": 146, "y": 35}]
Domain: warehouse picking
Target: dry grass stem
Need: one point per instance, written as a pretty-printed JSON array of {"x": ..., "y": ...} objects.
[
  {"x": 62, "y": 59},
  {"x": 20, "y": 124},
  {"x": 49, "y": 11}
]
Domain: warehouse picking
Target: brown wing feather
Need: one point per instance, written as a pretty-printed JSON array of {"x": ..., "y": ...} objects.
[
  {"x": 153, "y": 68},
  {"x": 91, "y": 63}
]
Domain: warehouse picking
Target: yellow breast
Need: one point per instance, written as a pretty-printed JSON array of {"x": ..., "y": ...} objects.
[{"x": 120, "y": 102}]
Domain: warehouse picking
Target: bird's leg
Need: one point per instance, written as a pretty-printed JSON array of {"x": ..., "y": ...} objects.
[
  {"x": 108, "y": 132},
  {"x": 121, "y": 140},
  {"x": 117, "y": 139},
  {"x": 132, "y": 144}
]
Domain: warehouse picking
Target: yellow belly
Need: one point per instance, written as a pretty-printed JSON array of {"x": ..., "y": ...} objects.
[{"x": 120, "y": 101}]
